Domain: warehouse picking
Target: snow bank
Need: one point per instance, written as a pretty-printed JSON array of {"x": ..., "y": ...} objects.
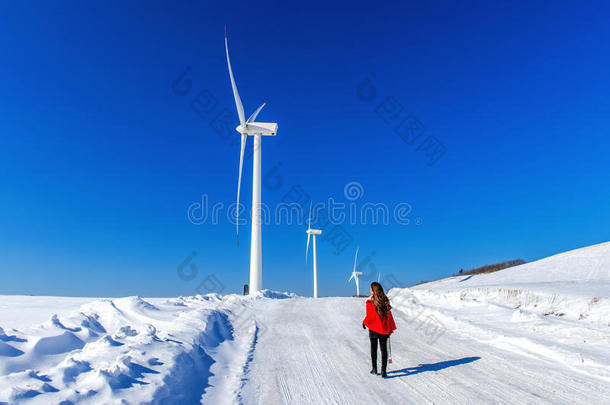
[
  {"x": 557, "y": 307},
  {"x": 121, "y": 351},
  {"x": 574, "y": 285}
]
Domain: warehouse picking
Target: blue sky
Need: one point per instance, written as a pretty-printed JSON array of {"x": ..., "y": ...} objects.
[{"x": 100, "y": 156}]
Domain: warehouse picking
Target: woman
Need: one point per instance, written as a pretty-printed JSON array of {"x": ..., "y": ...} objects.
[{"x": 381, "y": 324}]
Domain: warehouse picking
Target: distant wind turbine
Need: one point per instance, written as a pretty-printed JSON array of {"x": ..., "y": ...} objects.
[
  {"x": 255, "y": 129},
  {"x": 313, "y": 232},
  {"x": 355, "y": 274}
]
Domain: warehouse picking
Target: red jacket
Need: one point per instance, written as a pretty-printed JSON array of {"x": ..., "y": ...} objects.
[{"x": 372, "y": 320}]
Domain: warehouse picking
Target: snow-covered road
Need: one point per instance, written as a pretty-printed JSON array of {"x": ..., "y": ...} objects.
[{"x": 315, "y": 352}]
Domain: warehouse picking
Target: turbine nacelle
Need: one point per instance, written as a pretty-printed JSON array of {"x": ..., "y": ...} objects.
[
  {"x": 257, "y": 128},
  {"x": 314, "y": 231}
]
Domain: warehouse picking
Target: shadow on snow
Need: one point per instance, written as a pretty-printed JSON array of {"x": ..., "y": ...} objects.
[{"x": 430, "y": 367}]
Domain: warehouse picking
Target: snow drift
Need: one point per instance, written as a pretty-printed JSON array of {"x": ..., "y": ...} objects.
[
  {"x": 122, "y": 351},
  {"x": 557, "y": 308}
]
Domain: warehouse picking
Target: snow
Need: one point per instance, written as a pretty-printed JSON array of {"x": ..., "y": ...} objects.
[
  {"x": 35, "y": 309},
  {"x": 125, "y": 350},
  {"x": 534, "y": 333},
  {"x": 557, "y": 308}
]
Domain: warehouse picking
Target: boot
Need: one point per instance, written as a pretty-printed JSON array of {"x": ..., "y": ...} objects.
[
  {"x": 384, "y": 375},
  {"x": 374, "y": 371}
]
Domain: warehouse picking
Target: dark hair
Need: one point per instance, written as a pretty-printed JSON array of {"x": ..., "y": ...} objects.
[{"x": 380, "y": 300}]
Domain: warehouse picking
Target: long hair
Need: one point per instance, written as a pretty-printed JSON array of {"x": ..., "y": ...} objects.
[{"x": 380, "y": 300}]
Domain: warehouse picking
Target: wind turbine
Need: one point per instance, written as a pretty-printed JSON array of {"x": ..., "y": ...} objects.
[
  {"x": 313, "y": 232},
  {"x": 255, "y": 129},
  {"x": 355, "y": 274}
]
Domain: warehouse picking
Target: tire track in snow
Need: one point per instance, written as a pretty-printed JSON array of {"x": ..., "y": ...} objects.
[{"x": 246, "y": 368}]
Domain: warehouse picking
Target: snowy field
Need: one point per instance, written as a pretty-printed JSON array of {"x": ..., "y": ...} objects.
[{"x": 536, "y": 333}]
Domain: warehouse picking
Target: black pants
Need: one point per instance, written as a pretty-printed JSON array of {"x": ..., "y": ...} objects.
[{"x": 383, "y": 345}]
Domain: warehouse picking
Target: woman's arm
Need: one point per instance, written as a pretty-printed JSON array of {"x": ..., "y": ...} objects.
[
  {"x": 392, "y": 323},
  {"x": 368, "y": 318}
]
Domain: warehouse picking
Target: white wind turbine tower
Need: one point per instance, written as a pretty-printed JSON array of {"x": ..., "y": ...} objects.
[
  {"x": 355, "y": 274},
  {"x": 313, "y": 232},
  {"x": 255, "y": 129}
]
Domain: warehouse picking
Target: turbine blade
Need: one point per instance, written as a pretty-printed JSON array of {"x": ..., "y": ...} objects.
[
  {"x": 309, "y": 221},
  {"x": 356, "y": 258},
  {"x": 255, "y": 113},
  {"x": 241, "y": 165},
  {"x": 307, "y": 249},
  {"x": 240, "y": 107}
]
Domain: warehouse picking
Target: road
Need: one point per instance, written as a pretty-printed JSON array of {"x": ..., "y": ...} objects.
[{"x": 308, "y": 351}]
